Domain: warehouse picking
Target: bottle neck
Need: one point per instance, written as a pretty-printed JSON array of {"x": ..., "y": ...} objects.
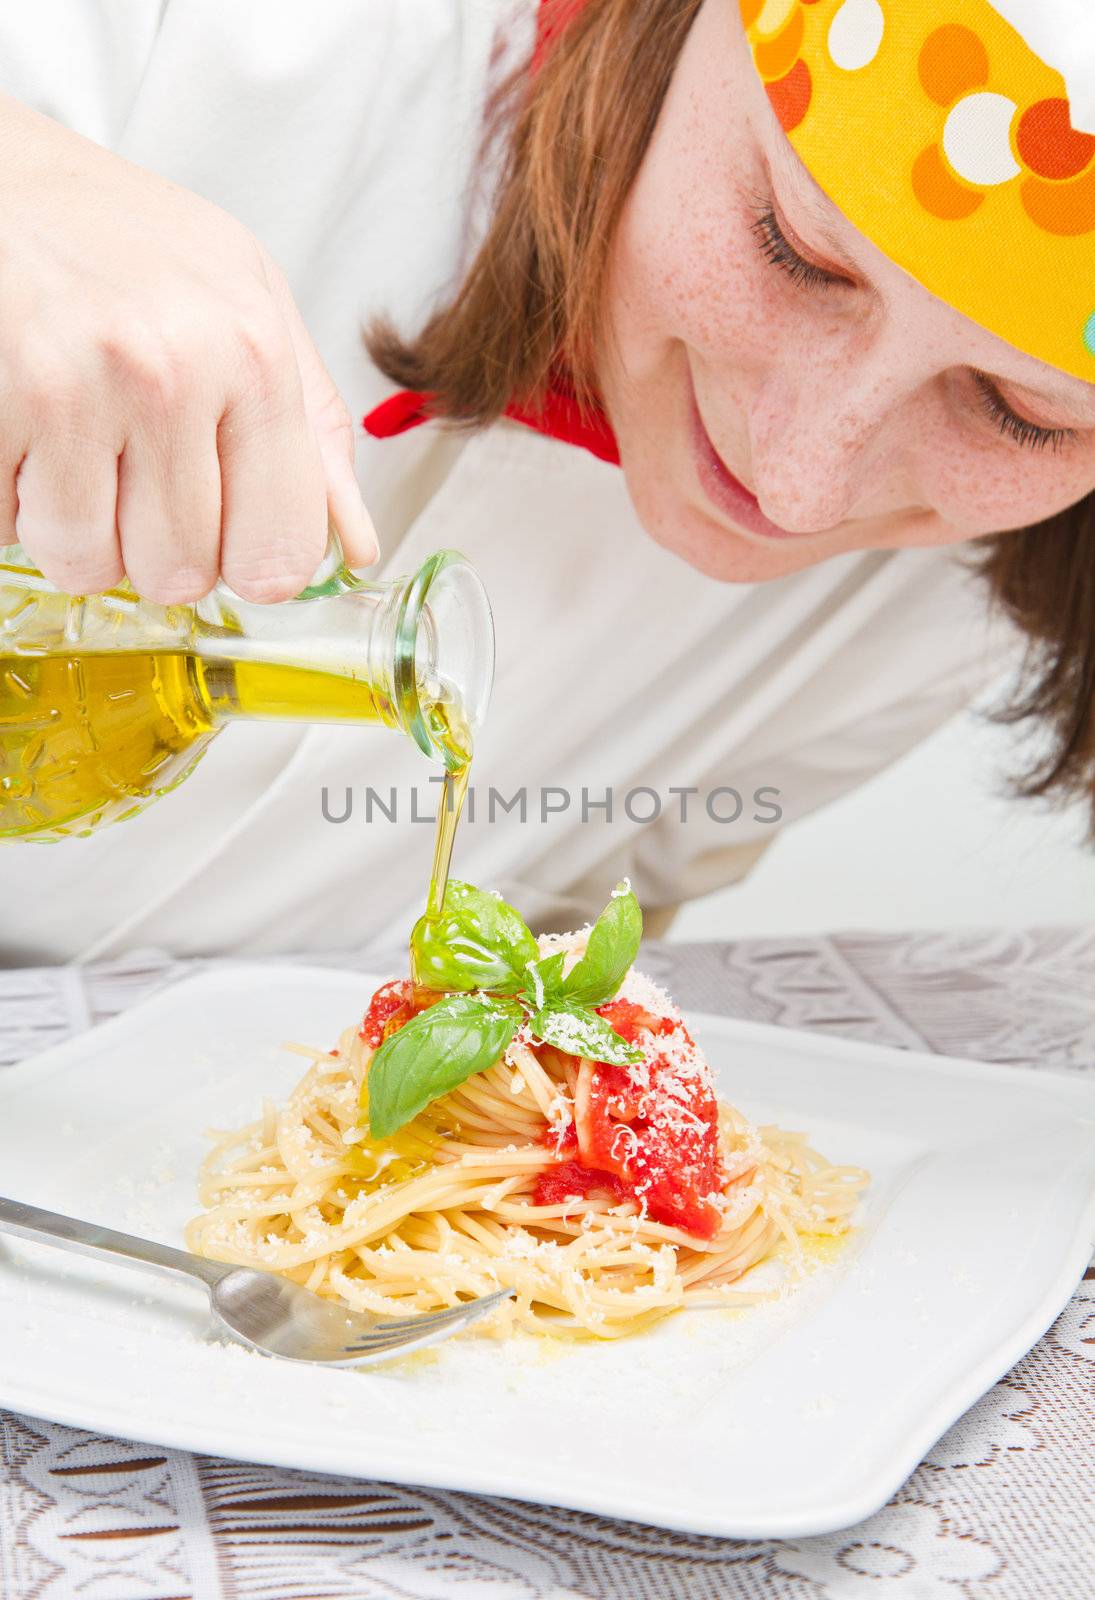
[{"x": 347, "y": 650}]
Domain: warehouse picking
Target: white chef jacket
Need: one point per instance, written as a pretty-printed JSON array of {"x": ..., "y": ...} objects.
[{"x": 348, "y": 137}]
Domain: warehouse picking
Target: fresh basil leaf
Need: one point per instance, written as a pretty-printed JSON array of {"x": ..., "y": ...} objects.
[
  {"x": 478, "y": 942},
  {"x": 583, "y": 1033},
  {"x": 611, "y": 949},
  {"x": 433, "y": 1053},
  {"x": 544, "y": 979}
]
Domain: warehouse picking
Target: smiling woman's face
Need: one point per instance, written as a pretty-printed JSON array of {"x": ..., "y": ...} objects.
[{"x": 780, "y": 390}]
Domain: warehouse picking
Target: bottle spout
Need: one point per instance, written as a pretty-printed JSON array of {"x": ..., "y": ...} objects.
[
  {"x": 444, "y": 657},
  {"x": 435, "y": 654}
]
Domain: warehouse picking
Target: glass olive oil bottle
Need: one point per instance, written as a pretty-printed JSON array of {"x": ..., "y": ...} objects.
[{"x": 108, "y": 701}]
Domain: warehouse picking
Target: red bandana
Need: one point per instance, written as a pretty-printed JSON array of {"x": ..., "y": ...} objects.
[{"x": 561, "y": 417}]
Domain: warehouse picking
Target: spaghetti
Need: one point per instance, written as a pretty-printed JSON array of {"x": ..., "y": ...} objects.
[{"x": 605, "y": 1197}]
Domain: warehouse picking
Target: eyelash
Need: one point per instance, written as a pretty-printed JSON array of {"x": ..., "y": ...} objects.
[
  {"x": 776, "y": 248},
  {"x": 1018, "y": 428}
]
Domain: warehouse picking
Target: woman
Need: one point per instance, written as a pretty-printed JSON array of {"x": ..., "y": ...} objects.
[{"x": 787, "y": 264}]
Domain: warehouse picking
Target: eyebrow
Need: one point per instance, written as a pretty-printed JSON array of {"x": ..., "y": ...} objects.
[{"x": 809, "y": 194}]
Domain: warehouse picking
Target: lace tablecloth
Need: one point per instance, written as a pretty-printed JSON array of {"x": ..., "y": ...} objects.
[{"x": 1004, "y": 1505}]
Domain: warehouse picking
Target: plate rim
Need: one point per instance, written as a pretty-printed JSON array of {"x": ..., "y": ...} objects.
[{"x": 929, "y": 1062}]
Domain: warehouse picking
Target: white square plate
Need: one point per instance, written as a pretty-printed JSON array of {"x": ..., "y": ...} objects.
[{"x": 795, "y": 1418}]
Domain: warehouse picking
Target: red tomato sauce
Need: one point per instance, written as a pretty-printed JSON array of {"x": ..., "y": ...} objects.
[
  {"x": 392, "y": 1005},
  {"x": 647, "y": 1133},
  {"x": 568, "y": 1180}
]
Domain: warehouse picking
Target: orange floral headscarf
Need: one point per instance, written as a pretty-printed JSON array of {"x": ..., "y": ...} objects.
[{"x": 949, "y": 142}]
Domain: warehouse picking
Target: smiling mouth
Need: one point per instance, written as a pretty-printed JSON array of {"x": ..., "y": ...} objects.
[{"x": 727, "y": 493}]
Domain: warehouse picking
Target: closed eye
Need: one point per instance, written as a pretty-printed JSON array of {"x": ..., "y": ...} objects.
[
  {"x": 1013, "y": 426},
  {"x": 777, "y": 248}
]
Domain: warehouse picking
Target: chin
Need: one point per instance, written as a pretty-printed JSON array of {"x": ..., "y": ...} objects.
[{"x": 707, "y": 543}]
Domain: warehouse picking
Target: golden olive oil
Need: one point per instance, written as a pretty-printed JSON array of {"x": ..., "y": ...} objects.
[
  {"x": 454, "y": 737},
  {"x": 448, "y": 816},
  {"x": 108, "y": 700},
  {"x": 413, "y": 1150},
  {"x": 89, "y": 738}
]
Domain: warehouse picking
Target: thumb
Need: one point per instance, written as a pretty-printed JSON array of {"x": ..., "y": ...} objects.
[{"x": 334, "y": 432}]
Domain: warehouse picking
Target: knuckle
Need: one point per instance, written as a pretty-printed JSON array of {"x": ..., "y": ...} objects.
[
  {"x": 267, "y": 575},
  {"x": 260, "y": 349},
  {"x": 148, "y": 365},
  {"x": 97, "y": 579},
  {"x": 44, "y": 383},
  {"x": 337, "y": 424},
  {"x": 264, "y": 590},
  {"x": 269, "y": 273},
  {"x": 176, "y": 586},
  {"x": 77, "y": 571}
]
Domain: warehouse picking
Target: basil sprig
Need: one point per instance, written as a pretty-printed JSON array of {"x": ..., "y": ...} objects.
[
  {"x": 544, "y": 979},
  {"x": 432, "y": 1054},
  {"x": 478, "y": 942},
  {"x": 581, "y": 1032},
  {"x": 482, "y": 956},
  {"x": 612, "y": 947}
]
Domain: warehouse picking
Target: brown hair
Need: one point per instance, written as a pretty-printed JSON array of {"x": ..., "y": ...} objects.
[{"x": 576, "y": 131}]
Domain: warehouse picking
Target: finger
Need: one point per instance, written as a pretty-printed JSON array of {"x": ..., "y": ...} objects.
[
  {"x": 273, "y": 487},
  {"x": 9, "y": 504},
  {"x": 347, "y": 510},
  {"x": 334, "y": 431},
  {"x": 67, "y": 492},
  {"x": 169, "y": 511}
]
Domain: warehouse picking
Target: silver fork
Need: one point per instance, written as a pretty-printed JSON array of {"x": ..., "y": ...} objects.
[{"x": 259, "y": 1309}]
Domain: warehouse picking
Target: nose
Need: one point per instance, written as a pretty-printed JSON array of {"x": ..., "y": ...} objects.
[{"x": 825, "y": 441}]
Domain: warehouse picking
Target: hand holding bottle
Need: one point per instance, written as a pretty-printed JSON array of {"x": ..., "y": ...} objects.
[{"x": 166, "y": 415}]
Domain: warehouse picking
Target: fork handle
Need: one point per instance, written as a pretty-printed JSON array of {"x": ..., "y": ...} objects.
[{"x": 87, "y": 1238}]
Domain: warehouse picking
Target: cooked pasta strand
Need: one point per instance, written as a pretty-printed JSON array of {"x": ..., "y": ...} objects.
[{"x": 446, "y": 1209}]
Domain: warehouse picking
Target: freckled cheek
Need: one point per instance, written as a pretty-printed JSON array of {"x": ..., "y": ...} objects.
[
  {"x": 692, "y": 279},
  {"x": 982, "y": 490},
  {"x": 685, "y": 255}
]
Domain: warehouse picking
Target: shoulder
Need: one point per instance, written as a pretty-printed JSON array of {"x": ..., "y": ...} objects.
[{"x": 91, "y": 63}]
